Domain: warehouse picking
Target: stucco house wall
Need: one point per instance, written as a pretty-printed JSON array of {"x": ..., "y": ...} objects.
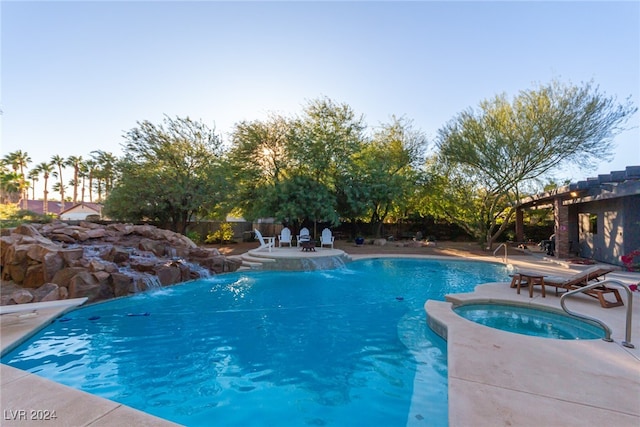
[
  {"x": 632, "y": 223},
  {"x": 617, "y": 228},
  {"x": 79, "y": 212},
  {"x": 601, "y": 230}
]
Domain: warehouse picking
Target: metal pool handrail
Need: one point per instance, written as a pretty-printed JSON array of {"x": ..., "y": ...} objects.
[
  {"x": 607, "y": 330},
  {"x": 505, "y": 251}
]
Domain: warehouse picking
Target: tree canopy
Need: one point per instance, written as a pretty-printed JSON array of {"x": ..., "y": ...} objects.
[
  {"x": 288, "y": 168},
  {"x": 506, "y": 145},
  {"x": 325, "y": 165},
  {"x": 383, "y": 174},
  {"x": 169, "y": 173},
  {"x": 321, "y": 166}
]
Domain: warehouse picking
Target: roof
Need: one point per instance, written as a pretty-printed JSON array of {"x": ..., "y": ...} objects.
[
  {"x": 37, "y": 206},
  {"x": 96, "y": 207},
  {"x": 612, "y": 185},
  {"x": 55, "y": 207}
]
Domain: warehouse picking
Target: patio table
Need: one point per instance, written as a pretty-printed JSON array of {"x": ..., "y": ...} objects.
[{"x": 531, "y": 279}]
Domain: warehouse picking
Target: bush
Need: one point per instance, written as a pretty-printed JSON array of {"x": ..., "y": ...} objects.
[
  {"x": 194, "y": 236},
  {"x": 12, "y": 216},
  {"x": 222, "y": 235}
]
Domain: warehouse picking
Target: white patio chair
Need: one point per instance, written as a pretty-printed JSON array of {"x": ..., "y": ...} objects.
[
  {"x": 303, "y": 236},
  {"x": 326, "y": 238},
  {"x": 285, "y": 237},
  {"x": 265, "y": 242}
]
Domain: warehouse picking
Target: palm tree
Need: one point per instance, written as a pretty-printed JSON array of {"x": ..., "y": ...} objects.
[
  {"x": 7, "y": 161},
  {"x": 23, "y": 160},
  {"x": 18, "y": 161},
  {"x": 6, "y": 181},
  {"x": 9, "y": 186},
  {"x": 59, "y": 161},
  {"x": 46, "y": 169},
  {"x": 56, "y": 185},
  {"x": 75, "y": 162},
  {"x": 73, "y": 184},
  {"x": 84, "y": 174},
  {"x": 105, "y": 173},
  {"x": 23, "y": 187},
  {"x": 33, "y": 176},
  {"x": 91, "y": 166}
]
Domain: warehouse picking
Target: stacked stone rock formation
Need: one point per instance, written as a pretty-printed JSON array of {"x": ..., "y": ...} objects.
[{"x": 44, "y": 262}]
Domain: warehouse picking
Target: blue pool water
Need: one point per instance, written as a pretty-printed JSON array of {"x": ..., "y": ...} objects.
[
  {"x": 530, "y": 321},
  {"x": 343, "y": 347}
]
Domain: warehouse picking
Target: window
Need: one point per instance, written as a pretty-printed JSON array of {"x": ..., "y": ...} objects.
[{"x": 593, "y": 223}]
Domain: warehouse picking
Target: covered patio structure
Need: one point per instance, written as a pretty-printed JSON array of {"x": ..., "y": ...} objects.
[{"x": 598, "y": 218}]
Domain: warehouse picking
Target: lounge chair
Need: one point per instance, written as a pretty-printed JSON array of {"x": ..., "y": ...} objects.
[
  {"x": 265, "y": 242},
  {"x": 285, "y": 237},
  {"x": 303, "y": 236},
  {"x": 326, "y": 238},
  {"x": 583, "y": 278}
]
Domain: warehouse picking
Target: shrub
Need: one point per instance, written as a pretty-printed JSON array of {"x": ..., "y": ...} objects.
[
  {"x": 224, "y": 234},
  {"x": 12, "y": 216},
  {"x": 629, "y": 260},
  {"x": 194, "y": 236}
]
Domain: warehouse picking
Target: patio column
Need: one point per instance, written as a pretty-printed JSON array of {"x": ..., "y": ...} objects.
[
  {"x": 519, "y": 225},
  {"x": 561, "y": 217}
]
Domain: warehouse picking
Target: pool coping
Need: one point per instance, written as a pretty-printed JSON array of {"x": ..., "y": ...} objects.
[{"x": 477, "y": 394}]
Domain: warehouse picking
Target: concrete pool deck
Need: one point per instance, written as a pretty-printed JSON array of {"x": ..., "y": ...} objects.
[{"x": 495, "y": 377}]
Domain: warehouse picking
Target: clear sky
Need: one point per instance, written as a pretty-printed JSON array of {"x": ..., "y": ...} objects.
[{"x": 77, "y": 75}]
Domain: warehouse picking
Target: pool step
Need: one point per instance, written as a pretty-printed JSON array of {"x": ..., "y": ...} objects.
[
  {"x": 262, "y": 259},
  {"x": 249, "y": 262}
]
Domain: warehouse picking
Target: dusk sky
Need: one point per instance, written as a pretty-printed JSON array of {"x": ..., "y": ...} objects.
[{"x": 77, "y": 75}]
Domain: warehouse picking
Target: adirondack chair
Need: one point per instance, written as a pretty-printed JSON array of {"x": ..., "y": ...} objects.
[
  {"x": 326, "y": 238},
  {"x": 285, "y": 237},
  {"x": 303, "y": 236},
  {"x": 265, "y": 242}
]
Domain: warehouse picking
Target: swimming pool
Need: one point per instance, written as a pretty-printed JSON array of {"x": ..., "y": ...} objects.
[
  {"x": 348, "y": 346},
  {"x": 530, "y": 321}
]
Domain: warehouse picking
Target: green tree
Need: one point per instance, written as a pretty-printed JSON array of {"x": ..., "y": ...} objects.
[
  {"x": 105, "y": 174},
  {"x": 289, "y": 168},
  {"x": 325, "y": 137},
  {"x": 455, "y": 194},
  {"x": 60, "y": 162},
  {"x": 83, "y": 174},
  {"x": 10, "y": 185},
  {"x": 46, "y": 169},
  {"x": 75, "y": 162},
  {"x": 33, "y": 175},
  {"x": 383, "y": 174},
  {"x": 170, "y": 172},
  {"x": 300, "y": 198},
  {"x": 258, "y": 161},
  {"x": 504, "y": 146},
  {"x": 19, "y": 160},
  {"x": 91, "y": 168},
  {"x": 323, "y": 143}
]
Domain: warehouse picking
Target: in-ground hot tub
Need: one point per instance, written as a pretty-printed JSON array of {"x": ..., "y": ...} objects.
[{"x": 531, "y": 321}]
